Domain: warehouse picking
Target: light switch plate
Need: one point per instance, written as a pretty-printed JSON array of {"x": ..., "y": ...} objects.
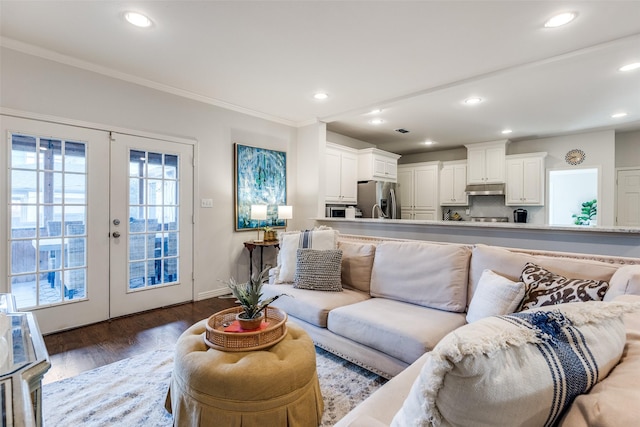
[{"x": 206, "y": 203}]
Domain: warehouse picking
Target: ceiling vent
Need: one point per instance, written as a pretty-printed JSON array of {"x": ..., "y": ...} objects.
[{"x": 402, "y": 130}]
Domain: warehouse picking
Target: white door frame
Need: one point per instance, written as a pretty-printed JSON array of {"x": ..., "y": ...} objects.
[{"x": 9, "y": 112}]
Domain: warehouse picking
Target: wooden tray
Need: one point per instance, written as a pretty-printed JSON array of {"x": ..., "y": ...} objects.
[{"x": 215, "y": 336}]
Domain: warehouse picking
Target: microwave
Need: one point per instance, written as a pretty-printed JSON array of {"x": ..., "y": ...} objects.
[{"x": 335, "y": 212}]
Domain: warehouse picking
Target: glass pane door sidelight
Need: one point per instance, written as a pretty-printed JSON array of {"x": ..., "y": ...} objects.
[
  {"x": 48, "y": 216},
  {"x": 153, "y": 219}
]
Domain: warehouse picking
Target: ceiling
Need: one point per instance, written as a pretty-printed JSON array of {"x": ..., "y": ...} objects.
[{"x": 417, "y": 60}]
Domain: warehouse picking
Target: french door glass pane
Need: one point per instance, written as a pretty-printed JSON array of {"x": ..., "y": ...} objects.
[
  {"x": 48, "y": 186},
  {"x": 153, "y": 219}
]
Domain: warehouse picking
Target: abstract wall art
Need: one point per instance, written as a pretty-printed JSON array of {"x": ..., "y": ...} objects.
[{"x": 260, "y": 179}]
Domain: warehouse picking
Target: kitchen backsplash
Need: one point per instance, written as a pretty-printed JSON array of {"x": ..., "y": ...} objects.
[{"x": 494, "y": 206}]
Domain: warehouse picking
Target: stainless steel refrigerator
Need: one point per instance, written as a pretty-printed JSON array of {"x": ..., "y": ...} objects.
[{"x": 380, "y": 193}]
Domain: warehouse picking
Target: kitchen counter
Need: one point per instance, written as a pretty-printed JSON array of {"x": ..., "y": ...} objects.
[
  {"x": 608, "y": 240},
  {"x": 502, "y": 225}
]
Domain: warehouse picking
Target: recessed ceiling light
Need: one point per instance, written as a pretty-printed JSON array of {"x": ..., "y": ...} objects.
[
  {"x": 320, "y": 95},
  {"x": 630, "y": 67},
  {"x": 506, "y": 131},
  {"x": 473, "y": 100},
  {"x": 137, "y": 19},
  {"x": 560, "y": 19},
  {"x": 618, "y": 115},
  {"x": 376, "y": 121},
  {"x": 428, "y": 142}
]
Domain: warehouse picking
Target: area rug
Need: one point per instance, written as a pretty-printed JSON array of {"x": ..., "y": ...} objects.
[{"x": 132, "y": 392}]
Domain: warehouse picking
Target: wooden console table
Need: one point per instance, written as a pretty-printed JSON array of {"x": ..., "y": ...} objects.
[{"x": 251, "y": 245}]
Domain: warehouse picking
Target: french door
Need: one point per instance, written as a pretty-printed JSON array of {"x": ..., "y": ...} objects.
[
  {"x": 151, "y": 223},
  {"x": 60, "y": 257}
]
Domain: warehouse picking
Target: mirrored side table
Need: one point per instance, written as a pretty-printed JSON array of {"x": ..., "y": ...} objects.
[{"x": 23, "y": 362}]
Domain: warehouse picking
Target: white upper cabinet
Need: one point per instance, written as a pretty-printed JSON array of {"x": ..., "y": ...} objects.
[
  {"x": 453, "y": 180},
  {"x": 525, "y": 179},
  {"x": 377, "y": 164},
  {"x": 341, "y": 166},
  {"x": 486, "y": 162}
]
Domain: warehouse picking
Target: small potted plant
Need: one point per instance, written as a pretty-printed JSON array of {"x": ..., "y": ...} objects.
[
  {"x": 249, "y": 294},
  {"x": 588, "y": 211},
  {"x": 269, "y": 234}
]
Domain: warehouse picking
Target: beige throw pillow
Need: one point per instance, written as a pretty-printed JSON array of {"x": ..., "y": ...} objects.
[
  {"x": 495, "y": 295},
  {"x": 357, "y": 261}
]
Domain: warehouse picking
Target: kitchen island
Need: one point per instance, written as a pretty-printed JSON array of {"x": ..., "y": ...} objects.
[{"x": 612, "y": 240}]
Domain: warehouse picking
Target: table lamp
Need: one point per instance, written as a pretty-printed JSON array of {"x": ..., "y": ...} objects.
[
  {"x": 259, "y": 212},
  {"x": 285, "y": 212}
]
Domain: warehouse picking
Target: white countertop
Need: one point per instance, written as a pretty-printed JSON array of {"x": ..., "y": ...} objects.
[{"x": 501, "y": 225}]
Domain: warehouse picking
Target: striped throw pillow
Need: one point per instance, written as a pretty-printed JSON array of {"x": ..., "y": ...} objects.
[{"x": 522, "y": 369}]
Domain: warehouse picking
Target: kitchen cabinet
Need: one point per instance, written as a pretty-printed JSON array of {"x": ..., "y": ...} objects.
[
  {"x": 378, "y": 165},
  {"x": 341, "y": 165},
  {"x": 453, "y": 180},
  {"x": 525, "y": 180},
  {"x": 486, "y": 162},
  {"x": 418, "y": 187}
]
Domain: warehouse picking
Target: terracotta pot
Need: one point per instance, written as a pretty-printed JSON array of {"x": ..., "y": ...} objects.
[{"x": 249, "y": 324}]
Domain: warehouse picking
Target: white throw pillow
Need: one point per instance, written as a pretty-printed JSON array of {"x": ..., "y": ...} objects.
[
  {"x": 496, "y": 295},
  {"x": 291, "y": 241},
  {"x": 522, "y": 369}
]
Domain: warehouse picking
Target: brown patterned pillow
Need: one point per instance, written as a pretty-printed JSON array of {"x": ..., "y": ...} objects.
[{"x": 543, "y": 287}]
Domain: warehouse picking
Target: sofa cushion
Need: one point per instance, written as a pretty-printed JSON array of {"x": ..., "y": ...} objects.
[
  {"x": 543, "y": 287},
  {"x": 510, "y": 265},
  {"x": 292, "y": 240},
  {"x": 357, "y": 262},
  {"x": 404, "y": 331},
  {"x": 311, "y": 306},
  {"x": 496, "y": 295},
  {"x": 318, "y": 270},
  {"x": 614, "y": 401},
  {"x": 428, "y": 274},
  {"x": 625, "y": 281},
  {"x": 521, "y": 369}
]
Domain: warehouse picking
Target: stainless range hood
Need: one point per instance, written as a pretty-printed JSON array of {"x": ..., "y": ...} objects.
[{"x": 485, "y": 189}]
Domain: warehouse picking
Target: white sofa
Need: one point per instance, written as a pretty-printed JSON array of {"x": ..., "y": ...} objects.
[{"x": 401, "y": 297}]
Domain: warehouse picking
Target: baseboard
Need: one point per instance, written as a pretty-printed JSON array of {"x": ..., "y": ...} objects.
[{"x": 212, "y": 294}]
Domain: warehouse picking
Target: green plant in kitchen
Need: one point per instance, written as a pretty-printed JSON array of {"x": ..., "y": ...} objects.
[
  {"x": 588, "y": 211},
  {"x": 249, "y": 294}
]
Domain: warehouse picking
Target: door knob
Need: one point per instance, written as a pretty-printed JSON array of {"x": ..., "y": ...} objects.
[
  {"x": 116, "y": 234},
  {"x": 116, "y": 221}
]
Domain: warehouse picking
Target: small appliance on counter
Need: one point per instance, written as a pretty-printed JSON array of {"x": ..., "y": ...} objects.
[
  {"x": 335, "y": 211},
  {"x": 520, "y": 215}
]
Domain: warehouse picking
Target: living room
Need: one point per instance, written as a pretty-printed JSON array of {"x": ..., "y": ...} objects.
[{"x": 46, "y": 83}]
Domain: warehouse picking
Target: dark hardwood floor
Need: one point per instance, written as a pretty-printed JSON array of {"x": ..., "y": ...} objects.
[{"x": 89, "y": 347}]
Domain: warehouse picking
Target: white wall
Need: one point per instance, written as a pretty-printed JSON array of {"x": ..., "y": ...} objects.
[
  {"x": 336, "y": 138},
  {"x": 628, "y": 149},
  {"x": 40, "y": 86},
  {"x": 600, "y": 152}
]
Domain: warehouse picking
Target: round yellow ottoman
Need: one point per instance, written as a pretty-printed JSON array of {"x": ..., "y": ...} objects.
[{"x": 277, "y": 386}]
